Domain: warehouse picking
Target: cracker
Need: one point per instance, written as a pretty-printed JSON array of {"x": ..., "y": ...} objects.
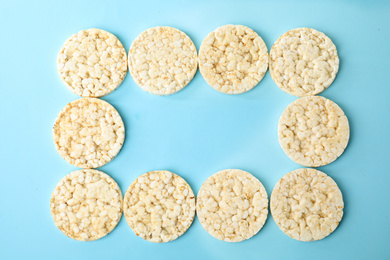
[
  {"x": 232, "y": 205},
  {"x": 88, "y": 132},
  {"x": 303, "y": 62},
  {"x": 92, "y": 63},
  {"x": 307, "y": 204},
  {"x": 86, "y": 205},
  {"x": 159, "y": 206},
  {"x": 313, "y": 131},
  {"x": 162, "y": 60},
  {"x": 233, "y": 59}
]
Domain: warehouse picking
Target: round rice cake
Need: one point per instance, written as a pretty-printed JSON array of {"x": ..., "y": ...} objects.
[
  {"x": 303, "y": 62},
  {"x": 86, "y": 205},
  {"x": 162, "y": 60},
  {"x": 232, "y": 205},
  {"x": 233, "y": 59},
  {"x": 313, "y": 131},
  {"x": 88, "y": 133},
  {"x": 159, "y": 206},
  {"x": 307, "y": 204},
  {"x": 92, "y": 63}
]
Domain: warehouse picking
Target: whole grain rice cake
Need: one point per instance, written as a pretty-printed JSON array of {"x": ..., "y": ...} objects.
[
  {"x": 307, "y": 204},
  {"x": 88, "y": 132},
  {"x": 92, "y": 63},
  {"x": 232, "y": 205},
  {"x": 86, "y": 205},
  {"x": 159, "y": 206},
  {"x": 303, "y": 62},
  {"x": 233, "y": 59},
  {"x": 313, "y": 131},
  {"x": 162, "y": 60}
]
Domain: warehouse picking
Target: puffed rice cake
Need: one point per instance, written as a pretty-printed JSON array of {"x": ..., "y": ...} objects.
[
  {"x": 313, "y": 131},
  {"x": 162, "y": 60},
  {"x": 303, "y": 62},
  {"x": 232, "y": 205},
  {"x": 86, "y": 205},
  {"x": 159, "y": 206},
  {"x": 88, "y": 133},
  {"x": 307, "y": 204},
  {"x": 92, "y": 63},
  {"x": 233, "y": 59}
]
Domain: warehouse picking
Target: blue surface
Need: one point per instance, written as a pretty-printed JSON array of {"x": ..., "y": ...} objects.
[{"x": 195, "y": 132}]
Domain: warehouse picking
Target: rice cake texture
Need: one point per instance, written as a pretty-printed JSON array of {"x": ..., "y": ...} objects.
[
  {"x": 232, "y": 205},
  {"x": 307, "y": 204},
  {"x": 92, "y": 63},
  {"x": 86, "y": 205},
  {"x": 303, "y": 62},
  {"x": 313, "y": 131},
  {"x": 159, "y": 206},
  {"x": 233, "y": 59},
  {"x": 162, "y": 60},
  {"x": 88, "y": 133}
]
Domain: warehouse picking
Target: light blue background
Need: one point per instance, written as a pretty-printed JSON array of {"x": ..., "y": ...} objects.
[{"x": 195, "y": 132}]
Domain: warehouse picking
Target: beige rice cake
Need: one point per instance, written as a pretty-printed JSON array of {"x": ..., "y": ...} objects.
[
  {"x": 303, "y": 62},
  {"x": 232, "y": 205},
  {"x": 233, "y": 59},
  {"x": 307, "y": 204},
  {"x": 92, "y": 63},
  {"x": 313, "y": 131},
  {"x": 86, "y": 205},
  {"x": 88, "y": 132},
  {"x": 162, "y": 60},
  {"x": 159, "y": 206}
]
